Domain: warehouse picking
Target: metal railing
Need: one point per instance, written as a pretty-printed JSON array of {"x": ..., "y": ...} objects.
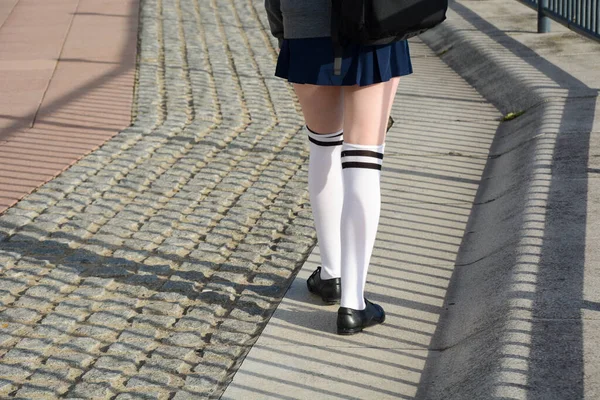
[{"x": 582, "y": 16}]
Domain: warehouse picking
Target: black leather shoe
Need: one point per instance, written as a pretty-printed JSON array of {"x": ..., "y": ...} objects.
[
  {"x": 330, "y": 290},
  {"x": 352, "y": 321}
]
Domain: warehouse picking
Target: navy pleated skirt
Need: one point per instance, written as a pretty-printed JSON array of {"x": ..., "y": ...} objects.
[{"x": 311, "y": 61}]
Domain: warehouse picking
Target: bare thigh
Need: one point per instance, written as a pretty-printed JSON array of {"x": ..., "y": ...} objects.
[
  {"x": 322, "y": 107},
  {"x": 366, "y": 111}
]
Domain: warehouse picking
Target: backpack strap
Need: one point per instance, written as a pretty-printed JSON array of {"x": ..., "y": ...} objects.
[
  {"x": 337, "y": 59},
  {"x": 338, "y": 49}
]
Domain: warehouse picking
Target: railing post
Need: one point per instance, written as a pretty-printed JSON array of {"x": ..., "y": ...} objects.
[{"x": 543, "y": 21}]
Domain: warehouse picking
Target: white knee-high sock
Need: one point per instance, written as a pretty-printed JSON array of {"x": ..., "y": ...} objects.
[
  {"x": 326, "y": 192},
  {"x": 360, "y": 217}
]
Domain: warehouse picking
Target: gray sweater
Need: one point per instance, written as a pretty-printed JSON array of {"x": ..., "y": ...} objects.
[{"x": 299, "y": 19}]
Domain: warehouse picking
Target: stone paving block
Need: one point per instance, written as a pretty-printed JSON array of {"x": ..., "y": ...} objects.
[
  {"x": 117, "y": 302},
  {"x": 6, "y": 298},
  {"x": 125, "y": 363},
  {"x": 204, "y": 253},
  {"x": 20, "y": 315},
  {"x": 134, "y": 334},
  {"x": 82, "y": 344},
  {"x": 150, "y": 378},
  {"x": 6, "y": 386},
  {"x": 29, "y": 234},
  {"x": 63, "y": 274},
  {"x": 41, "y": 391},
  {"x": 64, "y": 360},
  {"x": 181, "y": 353},
  {"x": 155, "y": 267},
  {"x": 141, "y": 286},
  {"x": 160, "y": 263},
  {"x": 106, "y": 239},
  {"x": 18, "y": 371},
  {"x": 75, "y": 307},
  {"x": 200, "y": 325},
  {"x": 129, "y": 343},
  {"x": 190, "y": 394},
  {"x": 184, "y": 287},
  {"x": 15, "y": 285},
  {"x": 9, "y": 259},
  {"x": 102, "y": 375},
  {"x": 155, "y": 321},
  {"x": 135, "y": 348},
  {"x": 237, "y": 326},
  {"x": 101, "y": 333},
  {"x": 39, "y": 304},
  {"x": 33, "y": 343},
  {"x": 251, "y": 308},
  {"x": 185, "y": 339},
  {"x": 221, "y": 354},
  {"x": 92, "y": 390},
  {"x": 48, "y": 289},
  {"x": 222, "y": 337},
  {"x": 30, "y": 265},
  {"x": 49, "y": 374},
  {"x": 81, "y": 259},
  {"x": 23, "y": 355},
  {"x": 111, "y": 319},
  {"x": 9, "y": 333},
  {"x": 168, "y": 365},
  {"x": 162, "y": 308},
  {"x": 97, "y": 248},
  {"x": 269, "y": 280},
  {"x": 58, "y": 321},
  {"x": 171, "y": 297},
  {"x": 136, "y": 251},
  {"x": 47, "y": 384},
  {"x": 206, "y": 379},
  {"x": 144, "y": 396}
]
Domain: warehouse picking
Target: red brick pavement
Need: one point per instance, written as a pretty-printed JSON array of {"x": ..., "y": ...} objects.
[{"x": 67, "y": 70}]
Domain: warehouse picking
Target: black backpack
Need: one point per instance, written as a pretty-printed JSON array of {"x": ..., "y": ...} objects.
[{"x": 374, "y": 22}]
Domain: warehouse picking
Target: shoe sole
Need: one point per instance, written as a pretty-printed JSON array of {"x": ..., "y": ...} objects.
[
  {"x": 346, "y": 332},
  {"x": 353, "y": 331}
]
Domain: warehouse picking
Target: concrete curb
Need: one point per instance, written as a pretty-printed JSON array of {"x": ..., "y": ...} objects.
[{"x": 518, "y": 316}]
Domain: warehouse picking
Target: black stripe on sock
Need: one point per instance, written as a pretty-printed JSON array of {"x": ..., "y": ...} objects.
[
  {"x": 363, "y": 153},
  {"x": 320, "y": 143},
  {"x": 324, "y": 134},
  {"x": 360, "y": 165}
]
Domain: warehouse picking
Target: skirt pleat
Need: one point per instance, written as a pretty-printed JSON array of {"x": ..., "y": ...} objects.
[{"x": 311, "y": 61}]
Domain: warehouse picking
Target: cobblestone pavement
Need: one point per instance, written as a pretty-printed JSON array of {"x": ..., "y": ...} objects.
[{"x": 147, "y": 269}]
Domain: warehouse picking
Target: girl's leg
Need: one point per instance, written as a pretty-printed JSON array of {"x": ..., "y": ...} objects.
[
  {"x": 366, "y": 112},
  {"x": 323, "y": 112}
]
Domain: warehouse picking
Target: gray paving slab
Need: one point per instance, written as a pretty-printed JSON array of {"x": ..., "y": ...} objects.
[{"x": 430, "y": 179}]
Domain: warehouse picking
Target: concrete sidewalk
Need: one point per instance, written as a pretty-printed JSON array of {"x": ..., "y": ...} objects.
[{"x": 487, "y": 256}]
